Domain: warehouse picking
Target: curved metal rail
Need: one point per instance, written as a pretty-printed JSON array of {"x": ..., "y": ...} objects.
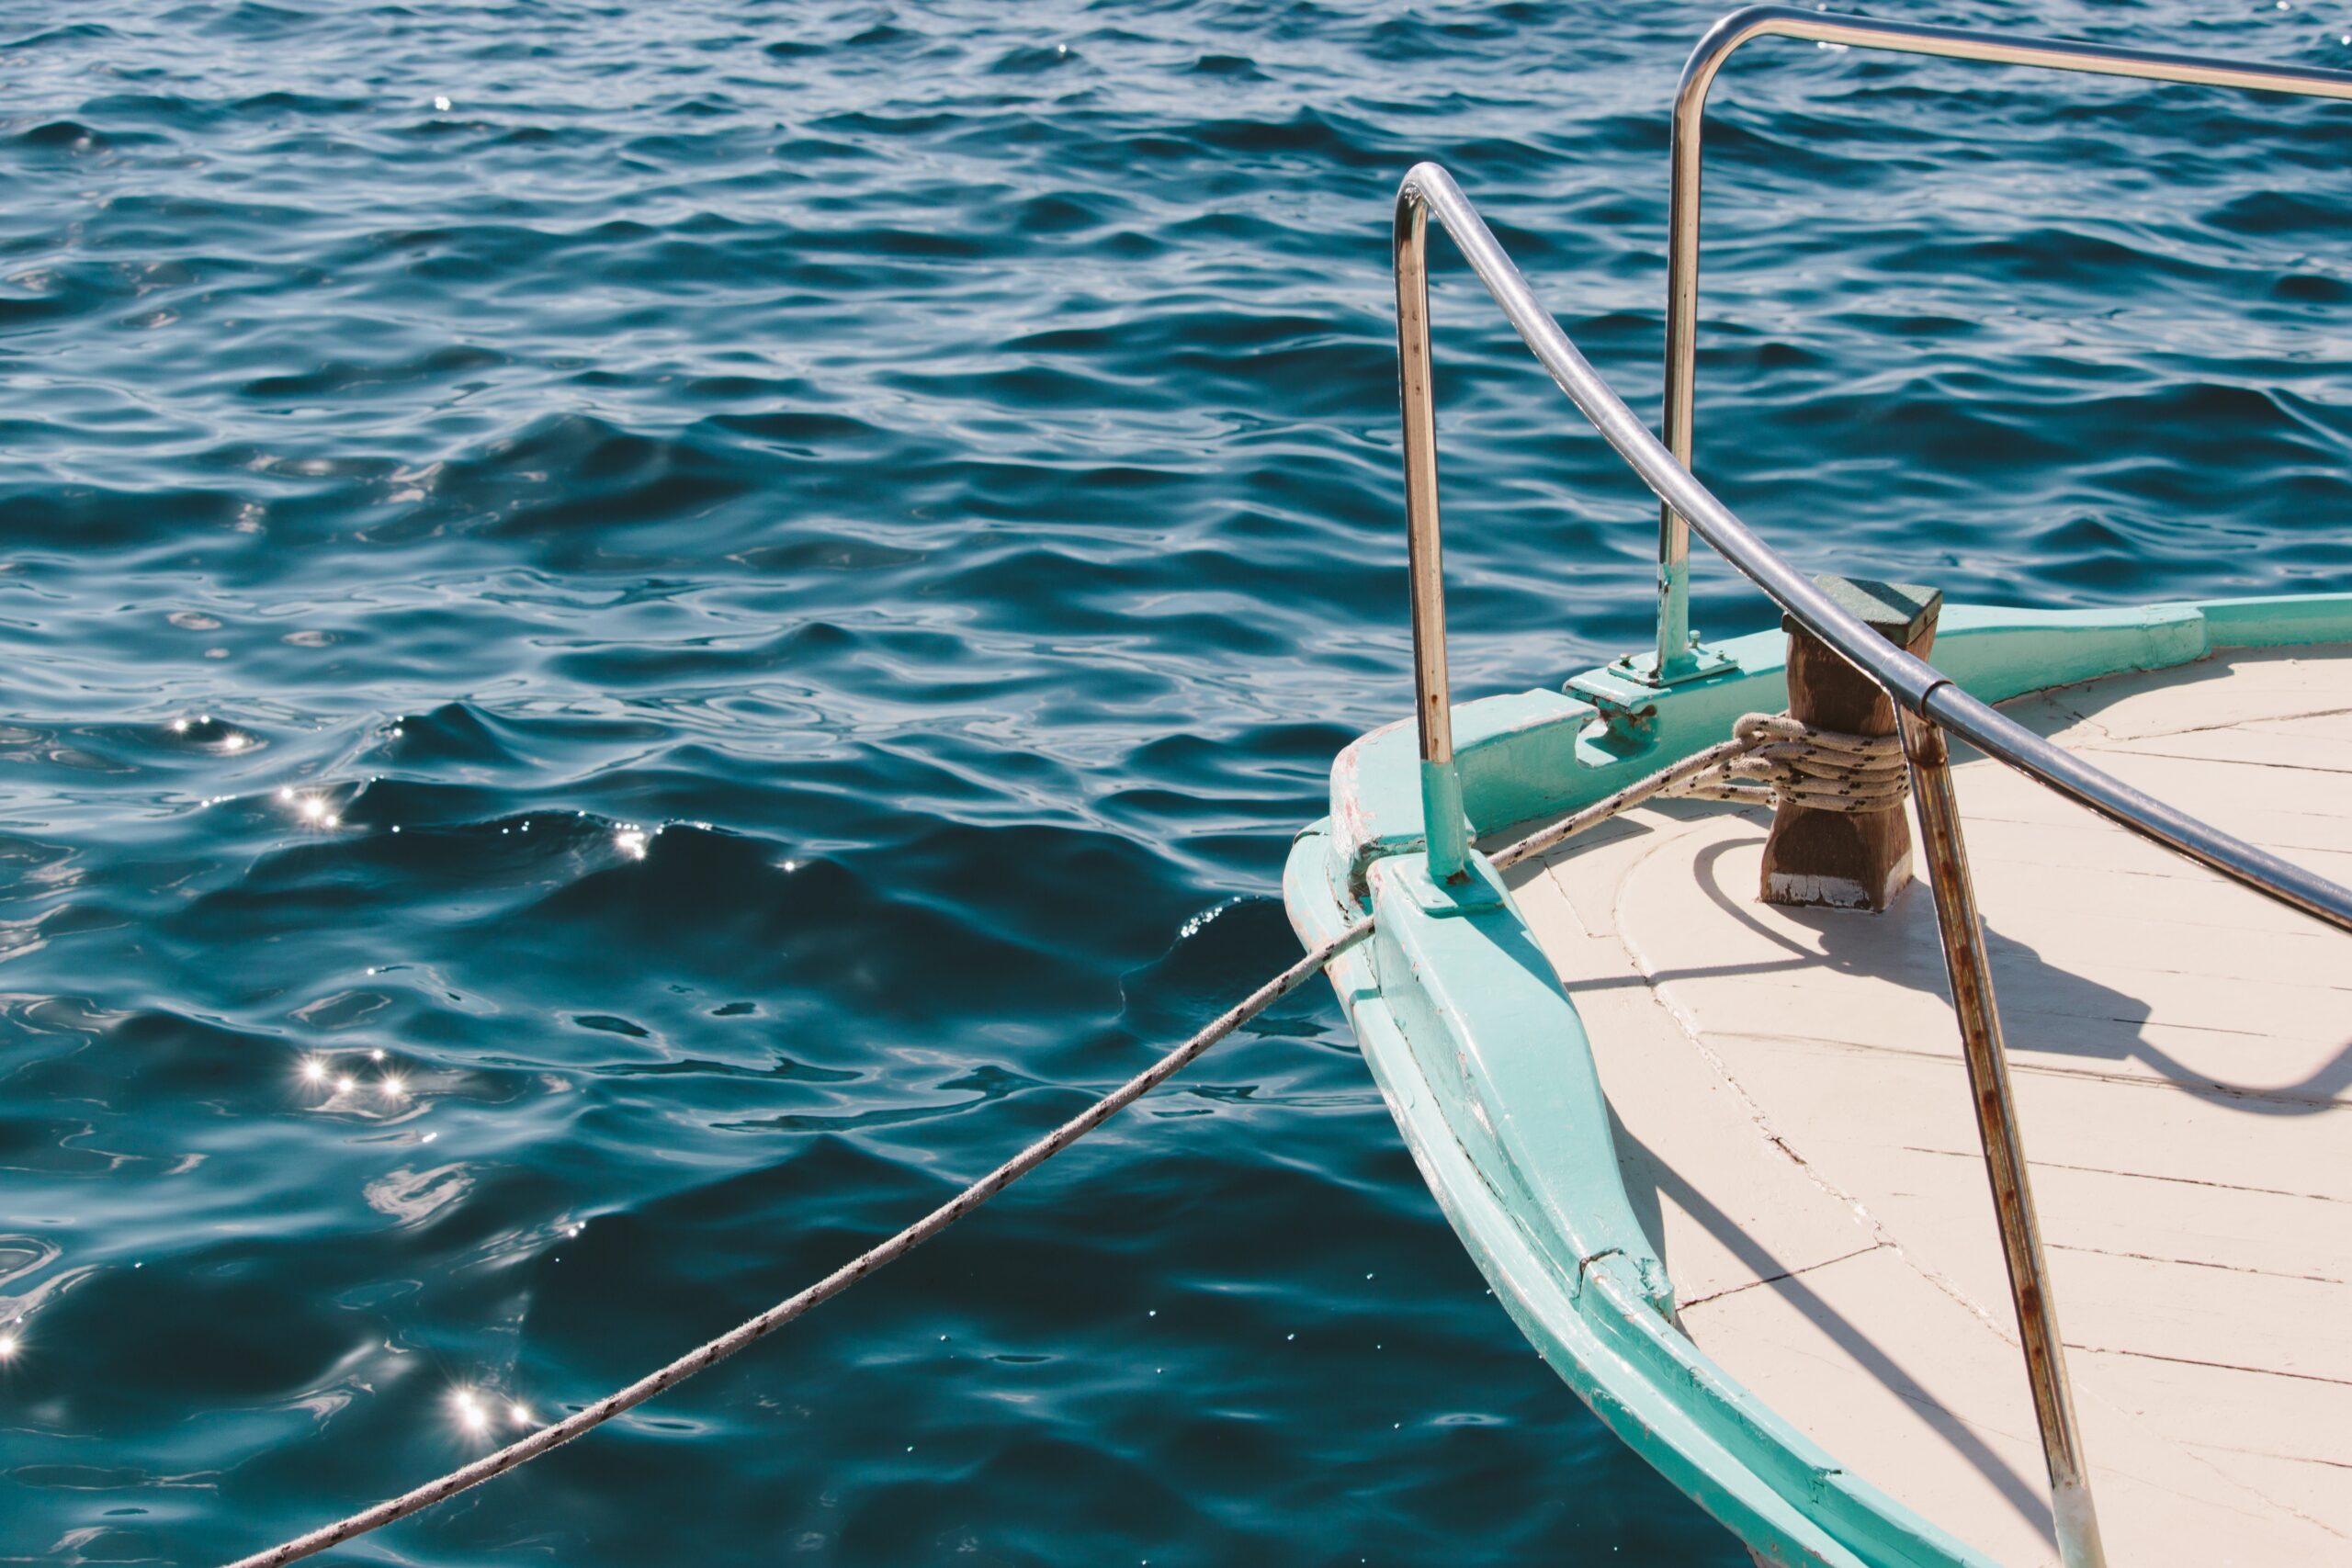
[
  {"x": 1676, "y": 658},
  {"x": 1914, "y": 685},
  {"x": 1926, "y": 701}
]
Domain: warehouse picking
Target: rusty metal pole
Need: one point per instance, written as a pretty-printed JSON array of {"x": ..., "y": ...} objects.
[
  {"x": 1446, "y": 830},
  {"x": 2004, "y": 1143}
]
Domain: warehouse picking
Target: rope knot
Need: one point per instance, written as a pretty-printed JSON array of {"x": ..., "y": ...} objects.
[{"x": 1776, "y": 760}]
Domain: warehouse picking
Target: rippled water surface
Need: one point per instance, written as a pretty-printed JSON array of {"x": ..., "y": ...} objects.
[{"x": 637, "y": 638}]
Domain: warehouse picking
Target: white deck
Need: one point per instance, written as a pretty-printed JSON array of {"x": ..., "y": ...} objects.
[{"x": 1794, "y": 1126}]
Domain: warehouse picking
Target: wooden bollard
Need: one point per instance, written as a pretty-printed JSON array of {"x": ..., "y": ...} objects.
[{"x": 1835, "y": 859}]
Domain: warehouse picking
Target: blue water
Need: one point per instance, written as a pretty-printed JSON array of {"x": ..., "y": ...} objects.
[{"x": 751, "y": 595}]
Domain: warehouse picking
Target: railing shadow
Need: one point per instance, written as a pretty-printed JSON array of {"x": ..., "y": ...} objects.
[
  {"x": 2050, "y": 1009},
  {"x": 2021, "y": 1492}
]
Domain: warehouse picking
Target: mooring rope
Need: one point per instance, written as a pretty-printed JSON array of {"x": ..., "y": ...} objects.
[
  {"x": 1787, "y": 761},
  {"x": 1768, "y": 754},
  {"x": 749, "y": 1332}
]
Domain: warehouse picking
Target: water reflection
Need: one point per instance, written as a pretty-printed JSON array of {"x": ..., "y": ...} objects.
[{"x": 475, "y": 1411}]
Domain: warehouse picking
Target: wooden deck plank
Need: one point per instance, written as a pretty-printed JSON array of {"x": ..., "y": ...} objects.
[
  {"x": 2182, "y": 1051},
  {"x": 1884, "y": 1364},
  {"x": 2281, "y": 1030},
  {"x": 2287, "y": 744},
  {"x": 1712, "y": 1188},
  {"x": 2239, "y": 687},
  {"x": 1875, "y": 1360}
]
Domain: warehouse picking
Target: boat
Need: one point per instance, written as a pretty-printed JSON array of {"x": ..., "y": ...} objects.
[{"x": 1799, "y": 1028}]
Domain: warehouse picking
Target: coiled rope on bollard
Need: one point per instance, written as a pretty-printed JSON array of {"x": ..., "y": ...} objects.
[{"x": 1698, "y": 775}]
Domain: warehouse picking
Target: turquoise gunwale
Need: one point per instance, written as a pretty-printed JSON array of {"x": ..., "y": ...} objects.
[{"x": 1486, "y": 1066}]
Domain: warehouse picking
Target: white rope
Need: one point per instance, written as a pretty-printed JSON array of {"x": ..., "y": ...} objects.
[
  {"x": 1666, "y": 781},
  {"x": 1769, "y": 760},
  {"x": 832, "y": 1285},
  {"x": 1769, "y": 755},
  {"x": 1786, "y": 762}
]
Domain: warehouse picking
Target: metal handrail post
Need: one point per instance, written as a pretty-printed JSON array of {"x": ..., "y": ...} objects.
[
  {"x": 1928, "y": 703},
  {"x": 1443, "y": 823},
  {"x": 2004, "y": 1142},
  {"x": 1913, "y": 684},
  {"x": 1674, "y": 652}
]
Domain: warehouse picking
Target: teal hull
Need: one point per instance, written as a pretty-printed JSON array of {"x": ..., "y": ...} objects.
[{"x": 1486, "y": 1066}]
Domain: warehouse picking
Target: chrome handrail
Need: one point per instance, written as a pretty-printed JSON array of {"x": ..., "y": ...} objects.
[
  {"x": 1913, "y": 684},
  {"x": 1676, "y": 657},
  {"x": 1928, "y": 705}
]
